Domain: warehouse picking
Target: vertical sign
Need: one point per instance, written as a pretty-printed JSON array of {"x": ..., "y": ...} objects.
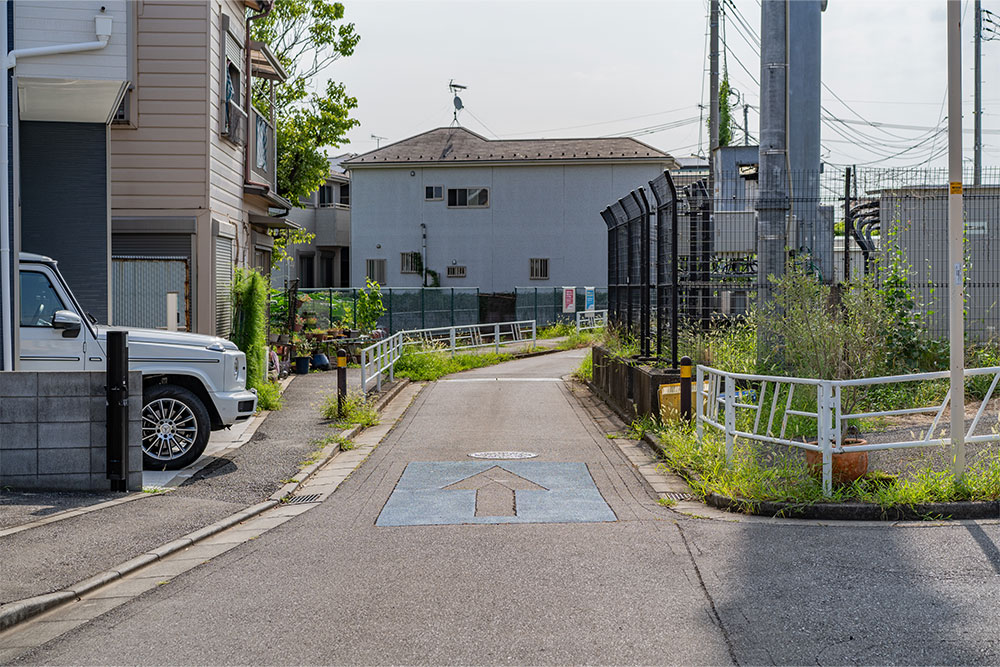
[
  {"x": 590, "y": 298},
  {"x": 569, "y": 299}
]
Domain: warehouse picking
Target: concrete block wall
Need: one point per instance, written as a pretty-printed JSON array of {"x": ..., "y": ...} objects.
[{"x": 53, "y": 434}]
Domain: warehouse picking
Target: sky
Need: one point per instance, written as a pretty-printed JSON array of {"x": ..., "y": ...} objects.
[{"x": 555, "y": 68}]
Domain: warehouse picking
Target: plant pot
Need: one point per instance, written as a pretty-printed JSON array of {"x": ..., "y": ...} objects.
[
  {"x": 272, "y": 339},
  {"x": 321, "y": 361},
  {"x": 302, "y": 365},
  {"x": 847, "y": 467},
  {"x": 283, "y": 339}
]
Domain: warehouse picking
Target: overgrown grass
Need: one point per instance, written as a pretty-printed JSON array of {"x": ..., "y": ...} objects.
[
  {"x": 269, "y": 396},
  {"x": 577, "y": 340},
  {"x": 556, "y": 330},
  {"x": 585, "y": 371},
  {"x": 756, "y": 476},
  {"x": 423, "y": 364},
  {"x": 357, "y": 410}
]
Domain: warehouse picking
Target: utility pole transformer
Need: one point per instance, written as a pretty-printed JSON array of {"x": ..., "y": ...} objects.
[{"x": 772, "y": 202}]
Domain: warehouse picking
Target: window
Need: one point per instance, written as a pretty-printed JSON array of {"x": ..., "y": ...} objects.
[
  {"x": 307, "y": 271},
  {"x": 539, "y": 268},
  {"x": 325, "y": 195},
  {"x": 456, "y": 271},
  {"x": 433, "y": 193},
  {"x": 39, "y": 300},
  {"x": 345, "y": 194},
  {"x": 375, "y": 270},
  {"x": 409, "y": 262},
  {"x": 468, "y": 197},
  {"x": 234, "y": 118}
]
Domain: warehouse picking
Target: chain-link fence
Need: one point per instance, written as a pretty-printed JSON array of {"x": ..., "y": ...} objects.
[{"x": 406, "y": 308}]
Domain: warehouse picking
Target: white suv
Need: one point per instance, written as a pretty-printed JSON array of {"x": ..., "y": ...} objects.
[{"x": 191, "y": 384}]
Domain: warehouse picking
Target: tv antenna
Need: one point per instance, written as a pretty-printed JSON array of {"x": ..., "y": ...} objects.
[
  {"x": 378, "y": 140},
  {"x": 454, "y": 88}
]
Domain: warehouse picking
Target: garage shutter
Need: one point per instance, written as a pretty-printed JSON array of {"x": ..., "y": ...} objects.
[{"x": 223, "y": 285}]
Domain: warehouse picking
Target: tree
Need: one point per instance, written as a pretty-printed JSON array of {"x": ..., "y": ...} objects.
[
  {"x": 307, "y": 36},
  {"x": 725, "y": 113}
]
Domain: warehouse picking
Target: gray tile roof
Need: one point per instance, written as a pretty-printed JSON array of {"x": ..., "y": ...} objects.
[{"x": 457, "y": 145}]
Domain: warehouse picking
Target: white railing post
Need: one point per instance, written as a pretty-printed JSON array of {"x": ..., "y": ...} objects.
[
  {"x": 380, "y": 355},
  {"x": 730, "y": 417},
  {"x": 451, "y": 336},
  {"x": 823, "y": 417},
  {"x": 534, "y": 333},
  {"x": 698, "y": 410},
  {"x": 392, "y": 349},
  {"x": 578, "y": 313},
  {"x": 496, "y": 337},
  {"x": 364, "y": 371}
]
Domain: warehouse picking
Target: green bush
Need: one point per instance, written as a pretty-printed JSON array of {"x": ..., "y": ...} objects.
[
  {"x": 250, "y": 295},
  {"x": 369, "y": 307},
  {"x": 269, "y": 396}
]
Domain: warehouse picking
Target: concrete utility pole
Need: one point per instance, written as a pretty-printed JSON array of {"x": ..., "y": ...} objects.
[
  {"x": 772, "y": 202},
  {"x": 956, "y": 323},
  {"x": 713, "y": 77},
  {"x": 978, "y": 148}
]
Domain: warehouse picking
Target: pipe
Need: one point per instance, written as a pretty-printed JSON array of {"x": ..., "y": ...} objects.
[
  {"x": 423, "y": 252},
  {"x": 8, "y": 263}
]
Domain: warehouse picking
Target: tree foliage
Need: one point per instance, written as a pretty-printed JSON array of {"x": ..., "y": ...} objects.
[
  {"x": 725, "y": 113},
  {"x": 307, "y": 36}
]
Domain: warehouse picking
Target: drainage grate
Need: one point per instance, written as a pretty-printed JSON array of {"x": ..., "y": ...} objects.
[
  {"x": 302, "y": 500},
  {"x": 503, "y": 455},
  {"x": 675, "y": 495}
]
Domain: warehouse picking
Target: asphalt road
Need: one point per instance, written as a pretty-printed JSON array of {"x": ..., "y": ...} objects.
[{"x": 652, "y": 587}]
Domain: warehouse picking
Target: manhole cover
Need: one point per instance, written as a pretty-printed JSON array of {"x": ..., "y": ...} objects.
[{"x": 503, "y": 455}]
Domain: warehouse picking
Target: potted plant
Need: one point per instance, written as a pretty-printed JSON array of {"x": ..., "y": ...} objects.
[{"x": 303, "y": 354}]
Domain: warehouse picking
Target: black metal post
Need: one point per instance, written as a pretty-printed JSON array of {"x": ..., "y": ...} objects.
[
  {"x": 117, "y": 410},
  {"x": 341, "y": 380},
  {"x": 848, "y": 225},
  {"x": 685, "y": 388},
  {"x": 644, "y": 279}
]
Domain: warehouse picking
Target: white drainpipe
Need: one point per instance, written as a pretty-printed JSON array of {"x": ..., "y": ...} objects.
[{"x": 102, "y": 28}]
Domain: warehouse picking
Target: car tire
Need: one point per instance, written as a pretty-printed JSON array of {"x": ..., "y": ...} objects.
[{"x": 175, "y": 427}]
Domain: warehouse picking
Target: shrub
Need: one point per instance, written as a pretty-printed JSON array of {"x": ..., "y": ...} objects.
[
  {"x": 358, "y": 409},
  {"x": 369, "y": 306},
  {"x": 269, "y": 396},
  {"x": 250, "y": 294}
]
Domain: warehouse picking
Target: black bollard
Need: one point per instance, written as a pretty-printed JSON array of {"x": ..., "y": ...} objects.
[
  {"x": 686, "y": 388},
  {"x": 117, "y": 410},
  {"x": 341, "y": 380}
]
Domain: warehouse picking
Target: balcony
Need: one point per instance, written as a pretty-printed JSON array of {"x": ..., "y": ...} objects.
[{"x": 264, "y": 152}]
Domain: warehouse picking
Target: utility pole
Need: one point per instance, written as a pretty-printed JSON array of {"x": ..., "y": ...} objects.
[
  {"x": 772, "y": 202},
  {"x": 746, "y": 126},
  {"x": 956, "y": 323},
  {"x": 978, "y": 148},
  {"x": 713, "y": 112}
]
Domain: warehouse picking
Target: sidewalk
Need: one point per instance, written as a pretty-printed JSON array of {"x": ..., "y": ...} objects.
[{"x": 89, "y": 533}]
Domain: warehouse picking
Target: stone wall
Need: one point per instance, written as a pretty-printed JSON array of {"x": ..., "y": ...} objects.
[{"x": 53, "y": 434}]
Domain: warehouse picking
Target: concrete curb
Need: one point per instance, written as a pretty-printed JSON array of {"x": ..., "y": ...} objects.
[{"x": 13, "y": 613}]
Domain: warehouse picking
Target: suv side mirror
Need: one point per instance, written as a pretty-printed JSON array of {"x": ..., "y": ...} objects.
[{"x": 68, "y": 321}]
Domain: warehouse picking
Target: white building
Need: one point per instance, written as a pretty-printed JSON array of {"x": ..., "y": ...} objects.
[{"x": 490, "y": 214}]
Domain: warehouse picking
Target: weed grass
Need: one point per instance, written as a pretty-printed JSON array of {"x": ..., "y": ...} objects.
[
  {"x": 357, "y": 410},
  {"x": 556, "y": 330},
  {"x": 269, "y": 396},
  {"x": 431, "y": 363},
  {"x": 585, "y": 371}
]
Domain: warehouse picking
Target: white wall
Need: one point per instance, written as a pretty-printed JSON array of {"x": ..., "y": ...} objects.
[{"x": 535, "y": 211}]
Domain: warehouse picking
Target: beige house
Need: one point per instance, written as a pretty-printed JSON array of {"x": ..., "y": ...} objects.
[{"x": 192, "y": 163}]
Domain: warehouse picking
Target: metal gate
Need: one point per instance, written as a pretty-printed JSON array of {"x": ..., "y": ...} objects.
[{"x": 140, "y": 284}]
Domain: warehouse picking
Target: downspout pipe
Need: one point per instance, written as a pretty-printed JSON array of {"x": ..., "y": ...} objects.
[{"x": 102, "y": 28}]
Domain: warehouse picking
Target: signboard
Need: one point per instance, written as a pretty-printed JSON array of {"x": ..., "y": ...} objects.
[
  {"x": 590, "y": 298},
  {"x": 569, "y": 299}
]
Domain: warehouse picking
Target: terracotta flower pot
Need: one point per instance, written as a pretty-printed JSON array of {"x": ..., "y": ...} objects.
[{"x": 847, "y": 467}]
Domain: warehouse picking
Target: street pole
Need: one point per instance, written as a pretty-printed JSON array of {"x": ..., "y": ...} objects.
[
  {"x": 713, "y": 111},
  {"x": 978, "y": 148},
  {"x": 956, "y": 325}
]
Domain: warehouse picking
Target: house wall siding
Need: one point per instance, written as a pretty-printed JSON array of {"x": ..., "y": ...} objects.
[
  {"x": 33, "y": 24},
  {"x": 535, "y": 211}
]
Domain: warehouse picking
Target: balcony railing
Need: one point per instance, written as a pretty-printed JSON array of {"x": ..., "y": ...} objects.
[{"x": 264, "y": 157}]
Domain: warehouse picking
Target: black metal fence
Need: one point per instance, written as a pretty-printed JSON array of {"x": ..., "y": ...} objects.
[{"x": 683, "y": 258}]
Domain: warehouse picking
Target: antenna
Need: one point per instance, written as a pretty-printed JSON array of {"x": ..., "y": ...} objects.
[
  {"x": 454, "y": 88},
  {"x": 378, "y": 140}
]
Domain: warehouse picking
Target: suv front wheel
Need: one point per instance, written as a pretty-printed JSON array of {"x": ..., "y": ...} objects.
[{"x": 175, "y": 427}]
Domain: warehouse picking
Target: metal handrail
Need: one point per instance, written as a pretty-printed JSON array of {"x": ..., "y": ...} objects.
[
  {"x": 716, "y": 389},
  {"x": 591, "y": 319},
  {"x": 381, "y": 357}
]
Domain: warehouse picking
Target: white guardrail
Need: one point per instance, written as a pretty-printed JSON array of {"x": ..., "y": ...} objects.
[
  {"x": 381, "y": 357},
  {"x": 717, "y": 390},
  {"x": 591, "y": 319}
]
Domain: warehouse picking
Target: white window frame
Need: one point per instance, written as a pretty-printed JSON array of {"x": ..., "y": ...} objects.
[
  {"x": 456, "y": 272},
  {"x": 535, "y": 266},
  {"x": 408, "y": 262},
  {"x": 439, "y": 189},
  {"x": 467, "y": 190},
  {"x": 376, "y": 266}
]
